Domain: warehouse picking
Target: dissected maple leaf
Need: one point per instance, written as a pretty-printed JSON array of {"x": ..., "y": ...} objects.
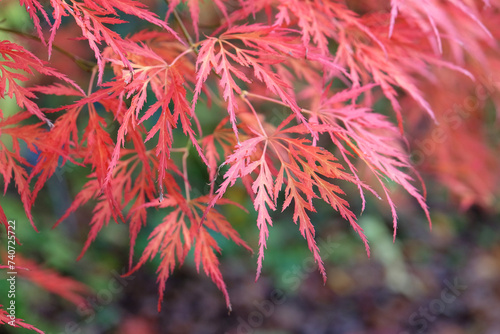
[
  {"x": 35, "y": 10},
  {"x": 302, "y": 168},
  {"x": 63, "y": 141},
  {"x": 13, "y": 165},
  {"x": 18, "y": 64},
  {"x": 91, "y": 17},
  {"x": 51, "y": 281},
  {"x": 224, "y": 138},
  {"x": 5, "y": 319},
  {"x": 450, "y": 17},
  {"x": 177, "y": 234},
  {"x": 439, "y": 151},
  {"x": 323, "y": 64},
  {"x": 167, "y": 83},
  {"x": 370, "y": 137},
  {"x": 263, "y": 46}
]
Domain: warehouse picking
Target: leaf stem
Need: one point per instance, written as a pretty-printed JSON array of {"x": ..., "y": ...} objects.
[
  {"x": 185, "y": 52},
  {"x": 91, "y": 81},
  {"x": 265, "y": 98},
  {"x": 185, "y": 155},
  {"x": 184, "y": 30},
  {"x": 243, "y": 96},
  {"x": 184, "y": 170},
  {"x": 186, "y": 34}
]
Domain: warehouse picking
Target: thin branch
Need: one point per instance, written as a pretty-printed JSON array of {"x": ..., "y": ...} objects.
[
  {"x": 185, "y": 155},
  {"x": 184, "y": 30},
  {"x": 184, "y": 169},
  {"x": 255, "y": 114},
  {"x": 91, "y": 81},
  {"x": 82, "y": 63},
  {"x": 265, "y": 98},
  {"x": 191, "y": 43}
]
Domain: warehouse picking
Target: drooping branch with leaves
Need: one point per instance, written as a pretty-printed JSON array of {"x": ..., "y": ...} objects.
[{"x": 324, "y": 63}]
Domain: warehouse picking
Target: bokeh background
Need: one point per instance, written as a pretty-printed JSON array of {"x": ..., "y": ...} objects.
[{"x": 445, "y": 280}]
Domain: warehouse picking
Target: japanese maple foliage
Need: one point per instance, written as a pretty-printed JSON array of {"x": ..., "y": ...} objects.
[
  {"x": 325, "y": 62},
  {"x": 4, "y": 319},
  {"x": 48, "y": 279}
]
